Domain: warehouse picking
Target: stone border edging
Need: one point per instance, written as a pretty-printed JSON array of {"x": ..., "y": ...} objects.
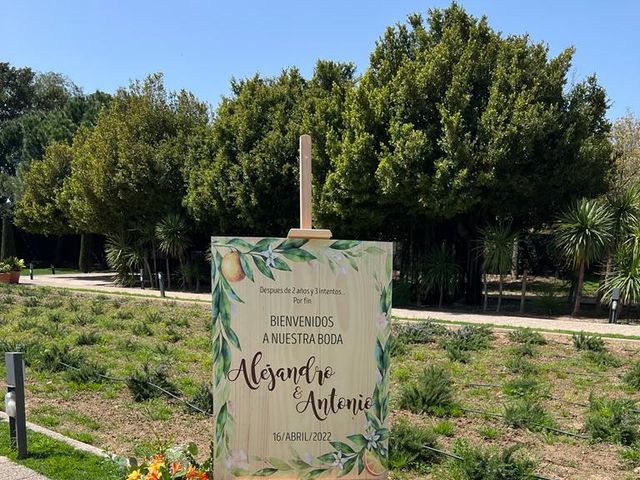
[{"x": 85, "y": 447}]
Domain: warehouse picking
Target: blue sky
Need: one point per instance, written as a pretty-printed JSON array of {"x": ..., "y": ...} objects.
[{"x": 200, "y": 45}]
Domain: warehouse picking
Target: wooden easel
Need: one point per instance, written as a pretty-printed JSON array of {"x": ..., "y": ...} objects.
[{"x": 306, "y": 229}]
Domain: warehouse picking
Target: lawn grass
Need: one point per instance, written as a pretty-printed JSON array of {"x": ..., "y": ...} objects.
[
  {"x": 57, "y": 460},
  {"x": 47, "y": 271}
]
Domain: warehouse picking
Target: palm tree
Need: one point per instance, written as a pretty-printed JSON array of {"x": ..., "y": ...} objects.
[
  {"x": 625, "y": 211},
  {"x": 496, "y": 248},
  {"x": 172, "y": 233},
  {"x": 441, "y": 271},
  {"x": 582, "y": 236}
]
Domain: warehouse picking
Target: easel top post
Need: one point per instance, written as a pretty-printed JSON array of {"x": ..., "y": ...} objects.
[{"x": 306, "y": 229}]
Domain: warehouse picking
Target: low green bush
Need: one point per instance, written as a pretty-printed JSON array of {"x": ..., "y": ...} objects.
[
  {"x": 527, "y": 413},
  {"x": 527, "y": 336},
  {"x": 397, "y": 346},
  {"x": 602, "y": 359},
  {"x": 632, "y": 377},
  {"x": 490, "y": 464},
  {"x": 89, "y": 372},
  {"x": 141, "y": 329},
  {"x": 455, "y": 354},
  {"x": 519, "y": 364},
  {"x": 87, "y": 338},
  {"x": 203, "y": 399},
  {"x": 141, "y": 383},
  {"x": 444, "y": 428},
  {"x": 468, "y": 338},
  {"x": 612, "y": 420},
  {"x": 406, "y": 445},
  {"x": 525, "y": 386},
  {"x": 419, "y": 332},
  {"x": 586, "y": 341},
  {"x": 432, "y": 392},
  {"x": 525, "y": 350},
  {"x": 57, "y": 358}
]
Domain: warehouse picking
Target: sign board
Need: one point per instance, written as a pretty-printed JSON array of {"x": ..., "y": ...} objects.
[{"x": 301, "y": 357}]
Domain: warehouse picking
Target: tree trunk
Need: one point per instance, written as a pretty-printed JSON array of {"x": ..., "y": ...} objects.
[
  {"x": 514, "y": 261},
  {"x": 578, "y": 292},
  {"x": 603, "y": 282},
  {"x": 155, "y": 265},
  {"x": 8, "y": 248},
  {"x": 486, "y": 292},
  {"x": 499, "y": 294},
  {"x": 524, "y": 290},
  {"x": 147, "y": 267},
  {"x": 168, "y": 273},
  {"x": 57, "y": 256},
  {"x": 84, "y": 257},
  {"x": 441, "y": 296}
]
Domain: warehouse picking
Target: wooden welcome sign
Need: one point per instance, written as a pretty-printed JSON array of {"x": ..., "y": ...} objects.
[{"x": 301, "y": 356}]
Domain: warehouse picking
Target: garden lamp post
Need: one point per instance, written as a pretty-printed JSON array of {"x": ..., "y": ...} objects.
[
  {"x": 614, "y": 306},
  {"x": 161, "y": 284},
  {"x": 14, "y": 402},
  {"x": 31, "y": 270}
]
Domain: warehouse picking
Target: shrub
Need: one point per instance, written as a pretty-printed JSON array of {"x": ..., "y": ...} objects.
[
  {"x": 81, "y": 319},
  {"x": 172, "y": 335},
  {"x": 444, "y": 428},
  {"x": 488, "y": 432},
  {"x": 57, "y": 358},
  {"x": 203, "y": 399},
  {"x": 585, "y": 341},
  {"x": 141, "y": 329},
  {"x": 519, "y": 364},
  {"x": 522, "y": 387},
  {"x": 153, "y": 316},
  {"x": 397, "y": 347},
  {"x": 419, "y": 332},
  {"x": 602, "y": 359},
  {"x": 87, "y": 373},
  {"x": 141, "y": 383},
  {"x": 612, "y": 420},
  {"x": 632, "y": 377},
  {"x": 631, "y": 455},
  {"x": 54, "y": 317},
  {"x": 468, "y": 338},
  {"x": 528, "y": 336},
  {"x": 527, "y": 413},
  {"x": 97, "y": 307},
  {"x": 525, "y": 350},
  {"x": 87, "y": 338},
  {"x": 455, "y": 354},
  {"x": 491, "y": 464},
  {"x": 406, "y": 445},
  {"x": 431, "y": 393}
]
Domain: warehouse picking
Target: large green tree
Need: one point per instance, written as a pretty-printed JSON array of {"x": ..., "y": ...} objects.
[
  {"x": 454, "y": 124},
  {"x": 126, "y": 171}
]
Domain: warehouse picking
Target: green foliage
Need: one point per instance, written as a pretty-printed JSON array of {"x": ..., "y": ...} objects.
[
  {"x": 203, "y": 399},
  {"x": 141, "y": 329},
  {"x": 432, "y": 392},
  {"x": 440, "y": 272},
  {"x": 126, "y": 172},
  {"x": 488, "y": 432},
  {"x": 612, "y": 420},
  {"x": 632, "y": 377},
  {"x": 527, "y": 413},
  {"x": 469, "y": 338},
  {"x": 406, "y": 445},
  {"x": 456, "y": 354},
  {"x": 602, "y": 359},
  {"x": 491, "y": 464},
  {"x": 89, "y": 372},
  {"x": 397, "y": 346},
  {"x": 444, "y": 428},
  {"x": 631, "y": 455},
  {"x": 525, "y": 386},
  {"x": 519, "y": 364},
  {"x": 588, "y": 342},
  {"x": 141, "y": 383},
  {"x": 87, "y": 338},
  {"x": 419, "y": 332},
  {"x": 57, "y": 358},
  {"x": 401, "y": 293},
  {"x": 527, "y": 336},
  {"x": 496, "y": 248},
  {"x": 172, "y": 233},
  {"x": 525, "y": 350}
]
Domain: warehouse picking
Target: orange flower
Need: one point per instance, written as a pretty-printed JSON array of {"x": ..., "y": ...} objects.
[
  {"x": 175, "y": 468},
  {"x": 192, "y": 473},
  {"x": 155, "y": 475},
  {"x": 204, "y": 476}
]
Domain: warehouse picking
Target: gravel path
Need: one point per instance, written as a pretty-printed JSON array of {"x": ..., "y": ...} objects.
[
  {"x": 12, "y": 471},
  {"x": 103, "y": 282}
]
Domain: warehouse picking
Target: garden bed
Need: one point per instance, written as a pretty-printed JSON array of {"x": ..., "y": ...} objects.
[{"x": 117, "y": 337}]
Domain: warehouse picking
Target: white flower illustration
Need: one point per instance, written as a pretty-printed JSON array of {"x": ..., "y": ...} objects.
[{"x": 269, "y": 256}]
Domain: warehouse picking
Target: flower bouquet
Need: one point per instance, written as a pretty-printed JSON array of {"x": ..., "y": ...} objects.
[{"x": 176, "y": 463}]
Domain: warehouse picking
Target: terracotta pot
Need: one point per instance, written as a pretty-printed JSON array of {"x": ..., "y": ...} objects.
[
  {"x": 15, "y": 277},
  {"x": 5, "y": 277}
]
